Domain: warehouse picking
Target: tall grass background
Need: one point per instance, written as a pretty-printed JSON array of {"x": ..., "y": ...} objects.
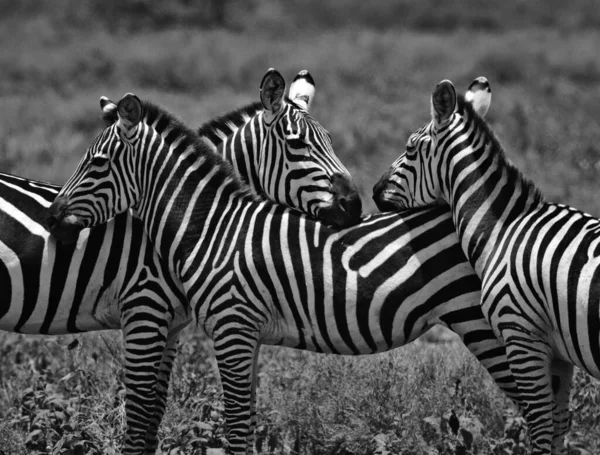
[{"x": 375, "y": 64}]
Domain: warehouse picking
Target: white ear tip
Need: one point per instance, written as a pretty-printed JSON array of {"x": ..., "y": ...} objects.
[
  {"x": 480, "y": 83},
  {"x": 104, "y": 102},
  {"x": 479, "y": 95}
]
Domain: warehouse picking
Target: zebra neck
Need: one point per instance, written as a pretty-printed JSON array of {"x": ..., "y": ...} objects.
[
  {"x": 242, "y": 149},
  {"x": 186, "y": 190},
  {"x": 487, "y": 195}
]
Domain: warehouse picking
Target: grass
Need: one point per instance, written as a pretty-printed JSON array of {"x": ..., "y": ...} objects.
[
  {"x": 375, "y": 64},
  {"x": 64, "y": 395}
]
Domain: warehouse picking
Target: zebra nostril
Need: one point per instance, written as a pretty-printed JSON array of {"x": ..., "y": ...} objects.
[{"x": 343, "y": 203}]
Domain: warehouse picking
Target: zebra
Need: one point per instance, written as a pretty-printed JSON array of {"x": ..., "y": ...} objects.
[
  {"x": 538, "y": 261},
  {"x": 281, "y": 151},
  {"x": 257, "y": 273},
  {"x": 54, "y": 289},
  {"x": 112, "y": 278}
]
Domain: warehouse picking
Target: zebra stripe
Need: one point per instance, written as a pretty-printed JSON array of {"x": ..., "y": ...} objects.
[
  {"x": 538, "y": 261},
  {"x": 281, "y": 151},
  {"x": 258, "y": 273},
  {"x": 111, "y": 278},
  {"x": 46, "y": 286}
]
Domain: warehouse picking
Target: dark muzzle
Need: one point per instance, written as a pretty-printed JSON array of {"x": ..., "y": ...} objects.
[
  {"x": 346, "y": 208},
  {"x": 380, "y": 195},
  {"x": 60, "y": 226}
]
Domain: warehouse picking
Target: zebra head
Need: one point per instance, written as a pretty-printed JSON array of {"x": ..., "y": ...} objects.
[
  {"x": 297, "y": 166},
  {"x": 103, "y": 172},
  {"x": 418, "y": 177}
]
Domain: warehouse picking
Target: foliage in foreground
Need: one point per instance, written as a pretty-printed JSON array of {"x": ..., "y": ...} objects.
[{"x": 64, "y": 395}]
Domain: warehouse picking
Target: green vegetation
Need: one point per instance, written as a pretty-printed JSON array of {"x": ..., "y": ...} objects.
[{"x": 375, "y": 64}]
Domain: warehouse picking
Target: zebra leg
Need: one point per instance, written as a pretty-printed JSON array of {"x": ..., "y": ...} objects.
[
  {"x": 253, "y": 417},
  {"x": 562, "y": 375},
  {"x": 236, "y": 347},
  {"x": 145, "y": 340},
  {"x": 529, "y": 361},
  {"x": 161, "y": 391},
  {"x": 479, "y": 338}
]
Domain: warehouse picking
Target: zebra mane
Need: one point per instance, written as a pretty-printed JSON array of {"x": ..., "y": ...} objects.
[
  {"x": 172, "y": 129},
  {"x": 223, "y": 123},
  {"x": 514, "y": 175},
  {"x": 215, "y": 128}
]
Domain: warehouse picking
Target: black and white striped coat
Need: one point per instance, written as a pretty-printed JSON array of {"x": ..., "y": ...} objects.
[
  {"x": 539, "y": 262},
  {"x": 257, "y": 273},
  {"x": 111, "y": 278}
]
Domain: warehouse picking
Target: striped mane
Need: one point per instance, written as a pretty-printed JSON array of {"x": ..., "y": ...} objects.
[
  {"x": 221, "y": 124},
  {"x": 513, "y": 174},
  {"x": 172, "y": 129}
]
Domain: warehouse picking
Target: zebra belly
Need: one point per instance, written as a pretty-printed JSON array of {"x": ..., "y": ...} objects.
[
  {"x": 369, "y": 320},
  {"x": 576, "y": 317}
]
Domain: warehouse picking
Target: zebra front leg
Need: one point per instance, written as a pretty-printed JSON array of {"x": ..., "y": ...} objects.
[
  {"x": 562, "y": 375},
  {"x": 236, "y": 349},
  {"x": 161, "y": 392},
  {"x": 145, "y": 340},
  {"x": 529, "y": 361}
]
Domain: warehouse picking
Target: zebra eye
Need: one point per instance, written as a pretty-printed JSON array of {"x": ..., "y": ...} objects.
[{"x": 99, "y": 161}]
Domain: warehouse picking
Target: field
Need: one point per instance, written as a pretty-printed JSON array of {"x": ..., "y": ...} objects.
[{"x": 375, "y": 65}]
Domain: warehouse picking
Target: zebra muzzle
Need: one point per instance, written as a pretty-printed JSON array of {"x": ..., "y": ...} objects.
[
  {"x": 381, "y": 195},
  {"x": 64, "y": 227},
  {"x": 346, "y": 208}
]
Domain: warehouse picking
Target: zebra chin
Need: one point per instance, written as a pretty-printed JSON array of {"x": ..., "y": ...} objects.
[
  {"x": 388, "y": 205},
  {"x": 384, "y": 199},
  {"x": 344, "y": 211},
  {"x": 65, "y": 232},
  {"x": 65, "y": 228}
]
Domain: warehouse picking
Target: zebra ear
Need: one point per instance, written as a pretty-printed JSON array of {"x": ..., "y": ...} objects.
[
  {"x": 109, "y": 110},
  {"x": 443, "y": 102},
  {"x": 302, "y": 90},
  {"x": 129, "y": 111},
  {"x": 272, "y": 88},
  {"x": 479, "y": 95}
]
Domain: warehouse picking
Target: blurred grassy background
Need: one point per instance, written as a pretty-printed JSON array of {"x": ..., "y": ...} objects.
[{"x": 375, "y": 64}]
